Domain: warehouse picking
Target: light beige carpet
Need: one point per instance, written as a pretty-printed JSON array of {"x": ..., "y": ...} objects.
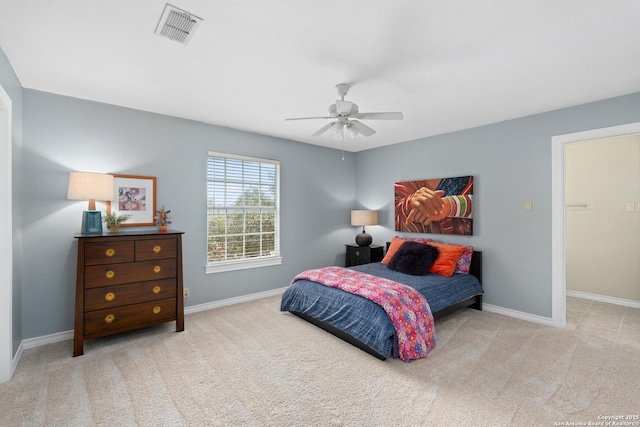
[{"x": 250, "y": 364}]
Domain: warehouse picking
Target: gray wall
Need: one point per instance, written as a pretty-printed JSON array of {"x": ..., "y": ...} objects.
[
  {"x": 511, "y": 163},
  {"x": 63, "y": 134},
  {"x": 11, "y": 85}
]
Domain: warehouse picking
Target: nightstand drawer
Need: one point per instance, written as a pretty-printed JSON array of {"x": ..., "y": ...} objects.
[
  {"x": 156, "y": 249},
  {"x": 115, "y": 274},
  {"x": 131, "y": 293},
  {"x": 122, "y": 317},
  {"x": 108, "y": 252}
]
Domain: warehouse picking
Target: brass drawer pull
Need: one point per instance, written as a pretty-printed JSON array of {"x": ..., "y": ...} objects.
[
  {"x": 157, "y": 249},
  {"x": 110, "y": 252},
  {"x": 156, "y": 289},
  {"x": 110, "y": 318},
  {"x": 110, "y": 296},
  {"x": 156, "y": 310},
  {"x": 110, "y": 274},
  {"x": 156, "y": 269}
]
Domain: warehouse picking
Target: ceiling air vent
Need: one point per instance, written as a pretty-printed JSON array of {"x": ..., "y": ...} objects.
[{"x": 177, "y": 24}]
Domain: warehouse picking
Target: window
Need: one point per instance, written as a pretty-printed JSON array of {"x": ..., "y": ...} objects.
[{"x": 243, "y": 212}]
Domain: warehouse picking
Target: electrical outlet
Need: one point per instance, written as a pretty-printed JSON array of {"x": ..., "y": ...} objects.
[{"x": 185, "y": 292}]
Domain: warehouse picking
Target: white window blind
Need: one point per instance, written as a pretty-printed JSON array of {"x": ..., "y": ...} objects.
[{"x": 242, "y": 212}]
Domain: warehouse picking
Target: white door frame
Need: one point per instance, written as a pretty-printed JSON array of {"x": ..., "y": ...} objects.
[
  {"x": 558, "y": 218},
  {"x": 6, "y": 240}
]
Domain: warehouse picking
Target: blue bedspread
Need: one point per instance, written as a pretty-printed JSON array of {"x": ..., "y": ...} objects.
[{"x": 365, "y": 320}]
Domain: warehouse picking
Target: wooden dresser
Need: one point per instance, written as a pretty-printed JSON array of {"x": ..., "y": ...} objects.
[{"x": 127, "y": 281}]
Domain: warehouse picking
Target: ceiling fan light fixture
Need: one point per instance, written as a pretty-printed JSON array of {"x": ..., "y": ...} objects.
[
  {"x": 337, "y": 131},
  {"x": 352, "y": 129}
]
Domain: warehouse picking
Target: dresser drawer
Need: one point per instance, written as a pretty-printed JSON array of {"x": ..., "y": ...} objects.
[
  {"x": 122, "y": 317},
  {"x": 156, "y": 249},
  {"x": 131, "y": 293},
  {"x": 115, "y": 274},
  {"x": 108, "y": 252}
]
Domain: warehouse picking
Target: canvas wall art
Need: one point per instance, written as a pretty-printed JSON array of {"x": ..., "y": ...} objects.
[{"x": 438, "y": 206}]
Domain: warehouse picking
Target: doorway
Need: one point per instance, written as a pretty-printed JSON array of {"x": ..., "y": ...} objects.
[
  {"x": 558, "y": 214},
  {"x": 602, "y": 184}
]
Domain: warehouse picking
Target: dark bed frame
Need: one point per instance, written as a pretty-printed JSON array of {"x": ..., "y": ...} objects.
[{"x": 473, "y": 302}]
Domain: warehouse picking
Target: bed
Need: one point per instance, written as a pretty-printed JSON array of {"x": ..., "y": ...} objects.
[{"x": 365, "y": 324}]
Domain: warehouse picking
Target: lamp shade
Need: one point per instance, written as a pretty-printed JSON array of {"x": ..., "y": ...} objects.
[
  {"x": 90, "y": 186},
  {"x": 364, "y": 217}
]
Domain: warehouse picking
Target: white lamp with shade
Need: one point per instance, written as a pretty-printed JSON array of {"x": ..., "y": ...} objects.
[
  {"x": 362, "y": 218},
  {"x": 90, "y": 186}
]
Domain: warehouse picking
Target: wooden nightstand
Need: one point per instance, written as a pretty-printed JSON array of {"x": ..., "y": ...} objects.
[
  {"x": 357, "y": 255},
  {"x": 127, "y": 281}
]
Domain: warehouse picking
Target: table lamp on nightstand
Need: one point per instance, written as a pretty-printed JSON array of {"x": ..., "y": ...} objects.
[
  {"x": 362, "y": 218},
  {"x": 90, "y": 186}
]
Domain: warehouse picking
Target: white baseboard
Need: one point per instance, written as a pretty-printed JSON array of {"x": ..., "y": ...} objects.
[
  {"x": 604, "y": 298},
  {"x": 518, "y": 314},
  {"x": 68, "y": 335},
  {"x": 16, "y": 359},
  {"x": 232, "y": 301},
  {"x": 46, "y": 339}
]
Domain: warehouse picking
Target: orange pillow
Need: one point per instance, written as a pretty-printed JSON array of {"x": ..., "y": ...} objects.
[
  {"x": 445, "y": 265},
  {"x": 396, "y": 242}
]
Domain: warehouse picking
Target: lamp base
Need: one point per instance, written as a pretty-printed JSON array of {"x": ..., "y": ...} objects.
[
  {"x": 91, "y": 222},
  {"x": 364, "y": 239}
]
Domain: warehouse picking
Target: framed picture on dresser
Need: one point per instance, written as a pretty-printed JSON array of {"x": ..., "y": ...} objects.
[{"x": 134, "y": 195}]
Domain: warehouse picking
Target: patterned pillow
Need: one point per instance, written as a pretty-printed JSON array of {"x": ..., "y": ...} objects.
[
  {"x": 464, "y": 263},
  {"x": 414, "y": 258}
]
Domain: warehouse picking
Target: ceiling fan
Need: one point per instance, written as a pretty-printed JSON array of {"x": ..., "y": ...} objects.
[{"x": 346, "y": 117}]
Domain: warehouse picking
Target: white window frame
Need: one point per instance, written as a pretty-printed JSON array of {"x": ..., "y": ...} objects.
[{"x": 263, "y": 261}]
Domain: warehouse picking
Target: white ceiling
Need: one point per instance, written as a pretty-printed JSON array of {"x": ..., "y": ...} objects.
[{"x": 446, "y": 64}]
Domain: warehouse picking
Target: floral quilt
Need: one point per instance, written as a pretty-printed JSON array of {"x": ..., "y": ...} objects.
[{"x": 408, "y": 309}]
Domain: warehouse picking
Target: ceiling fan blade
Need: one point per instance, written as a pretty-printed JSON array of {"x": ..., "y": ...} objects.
[
  {"x": 360, "y": 128},
  {"x": 324, "y": 128},
  {"x": 309, "y": 118},
  {"x": 380, "y": 116}
]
